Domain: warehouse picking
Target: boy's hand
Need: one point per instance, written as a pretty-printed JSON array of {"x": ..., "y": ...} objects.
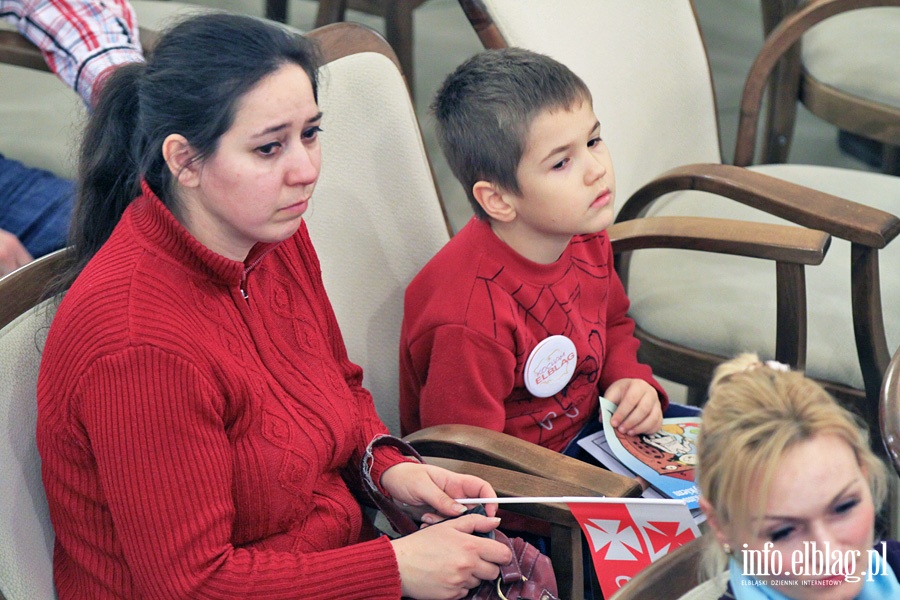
[{"x": 638, "y": 409}]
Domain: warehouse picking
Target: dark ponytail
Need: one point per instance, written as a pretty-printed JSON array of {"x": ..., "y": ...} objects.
[
  {"x": 190, "y": 85},
  {"x": 108, "y": 177}
]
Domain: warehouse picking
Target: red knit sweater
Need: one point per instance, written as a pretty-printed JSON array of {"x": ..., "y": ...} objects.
[
  {"x": 477, "y": 310},
  {"x": 197, "y": 444}
]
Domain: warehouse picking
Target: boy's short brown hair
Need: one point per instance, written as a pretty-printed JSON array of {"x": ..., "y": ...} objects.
[{"x": 484, "y": 110}]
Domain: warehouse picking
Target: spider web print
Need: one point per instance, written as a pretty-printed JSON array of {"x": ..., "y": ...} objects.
[{"x": 575, "y": 305}]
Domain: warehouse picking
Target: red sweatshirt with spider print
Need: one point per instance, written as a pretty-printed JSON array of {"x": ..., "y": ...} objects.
[{"x": 476, "y": 312}]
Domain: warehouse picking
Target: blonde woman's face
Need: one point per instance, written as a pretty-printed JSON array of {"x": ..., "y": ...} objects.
[{"x": 816, "y": 533}]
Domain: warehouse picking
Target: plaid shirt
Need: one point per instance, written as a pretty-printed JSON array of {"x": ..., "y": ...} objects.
[{"x": 80, "y": 39}]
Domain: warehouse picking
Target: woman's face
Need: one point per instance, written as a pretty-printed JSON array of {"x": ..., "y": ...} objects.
[
  {"x": 816, "y": 533},
  {"x": 258, "y": 183}
]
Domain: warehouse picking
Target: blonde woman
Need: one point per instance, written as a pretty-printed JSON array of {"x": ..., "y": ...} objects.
[{"x": 790, "y": 488}]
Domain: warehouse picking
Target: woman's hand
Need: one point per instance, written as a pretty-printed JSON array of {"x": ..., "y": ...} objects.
[
  {"x": 445, "y": 561},
  {"x": 638, "y": 409},
  {"x": 423, "y": 488}
]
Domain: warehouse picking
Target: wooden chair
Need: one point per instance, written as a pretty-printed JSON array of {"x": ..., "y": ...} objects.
[
  {"x": 647, "y": 68},
  {"x": 676, "y": 575},
  {"x": 845, "y": 72},
  {"x": 397, "y": 14},
  {"x": 377, "y": 218},
  {"x": 890, "y": 411}
]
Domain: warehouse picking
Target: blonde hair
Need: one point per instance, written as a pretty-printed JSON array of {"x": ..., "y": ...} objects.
[{"x": 755, "y": 413}]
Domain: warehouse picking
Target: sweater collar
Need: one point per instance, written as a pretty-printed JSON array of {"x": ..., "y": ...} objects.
[
  {"x": 166, "y": 235},
  {"x": 526, "y": 269}
]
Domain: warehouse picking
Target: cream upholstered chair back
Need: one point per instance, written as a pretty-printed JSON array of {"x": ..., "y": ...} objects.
[
  {"x": 26, "y": 536},
  {"x": 375, "y": 216},
  {"x": 647, "y": 68},
  {"x": 652, "y": 95}
]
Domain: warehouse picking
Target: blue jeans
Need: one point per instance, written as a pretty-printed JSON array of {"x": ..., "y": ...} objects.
[{"x": 35, "y": 206}]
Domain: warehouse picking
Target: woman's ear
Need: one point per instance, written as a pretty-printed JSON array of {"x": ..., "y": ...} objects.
[
  {"x": 713, "y": 520},
  {"x": 495, "y": 201},
  {"x": 179, "y": 156}
]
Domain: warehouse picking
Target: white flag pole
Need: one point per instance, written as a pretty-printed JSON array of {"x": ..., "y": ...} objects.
[{"x": 567, "y": 500}]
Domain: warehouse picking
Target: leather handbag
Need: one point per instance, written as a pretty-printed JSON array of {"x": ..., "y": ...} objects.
[{"x": 528, "y": 576}]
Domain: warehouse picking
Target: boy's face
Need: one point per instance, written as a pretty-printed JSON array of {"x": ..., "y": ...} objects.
[{"x": 565, "y": 176}]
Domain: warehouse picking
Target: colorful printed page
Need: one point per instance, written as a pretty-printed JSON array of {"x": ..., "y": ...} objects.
[{"x": 666, "y": 459}]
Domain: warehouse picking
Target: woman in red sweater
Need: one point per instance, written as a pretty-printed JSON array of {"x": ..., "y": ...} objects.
[{"x": 201, "y": 427}]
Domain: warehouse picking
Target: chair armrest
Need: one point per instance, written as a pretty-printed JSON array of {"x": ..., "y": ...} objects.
[
  {"x": 805, "y": 206},
  {"x": 30, "y": 284},
  {"x": 16, "y": 50},
  {"x": 778, "y": 42},
  {"x": 480, "y": 445},
  {"x": 565, "y": 532},
  {"x": 782, "y": 243}
]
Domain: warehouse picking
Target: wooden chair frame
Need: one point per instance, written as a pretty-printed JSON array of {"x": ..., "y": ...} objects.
[
  {"x": 397, "y": 14},
  {"x": 889, "y": 411},
  {"x": 867, "y": 229},
  {"x": 792, "y": 82}
]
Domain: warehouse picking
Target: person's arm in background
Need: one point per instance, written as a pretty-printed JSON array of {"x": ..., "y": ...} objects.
[{"x": 80, "y": 39}]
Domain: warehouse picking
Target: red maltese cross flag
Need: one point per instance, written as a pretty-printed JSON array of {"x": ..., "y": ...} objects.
[{"x": 627, "y": 535}]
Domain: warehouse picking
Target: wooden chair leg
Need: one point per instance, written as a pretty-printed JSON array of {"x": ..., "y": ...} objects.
[
  {"x": 276, "y": 10},
  {"x": 890, "y": 161},
  {"x": 399, "y": 33},
  {"x": 565, "y": 554},
  {"x": 330, "y": 11},
  {"x": 696, "y": 396}
]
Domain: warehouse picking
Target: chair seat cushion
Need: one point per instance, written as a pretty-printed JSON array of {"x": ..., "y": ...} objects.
[
  {"x": 726, "y": 304},
  {"x": 857, "y": 52}
]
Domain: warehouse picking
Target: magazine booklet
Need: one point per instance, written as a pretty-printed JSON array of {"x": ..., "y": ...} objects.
[{"x": 665, "y": 459}]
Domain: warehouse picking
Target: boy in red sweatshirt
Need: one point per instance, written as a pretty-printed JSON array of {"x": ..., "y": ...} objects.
[{"x": 519, "y": 323}]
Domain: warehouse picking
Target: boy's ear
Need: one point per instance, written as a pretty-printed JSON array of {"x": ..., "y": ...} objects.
[
  {"x": 495, "y": 201},
  {"x": 179, "y": 156}
]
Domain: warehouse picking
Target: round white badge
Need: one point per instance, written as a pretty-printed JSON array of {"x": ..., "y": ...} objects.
[{"x": 550, "y": 366}]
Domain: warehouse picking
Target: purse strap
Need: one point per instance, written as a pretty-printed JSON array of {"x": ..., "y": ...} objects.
[{"x": 399, "y": 520}]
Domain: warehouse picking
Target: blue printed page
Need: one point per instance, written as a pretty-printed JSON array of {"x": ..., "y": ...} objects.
[{"x": 665, "y": 459}]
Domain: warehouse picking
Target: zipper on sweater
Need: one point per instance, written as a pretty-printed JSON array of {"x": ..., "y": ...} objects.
[{"x": 247, "y": 270}]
